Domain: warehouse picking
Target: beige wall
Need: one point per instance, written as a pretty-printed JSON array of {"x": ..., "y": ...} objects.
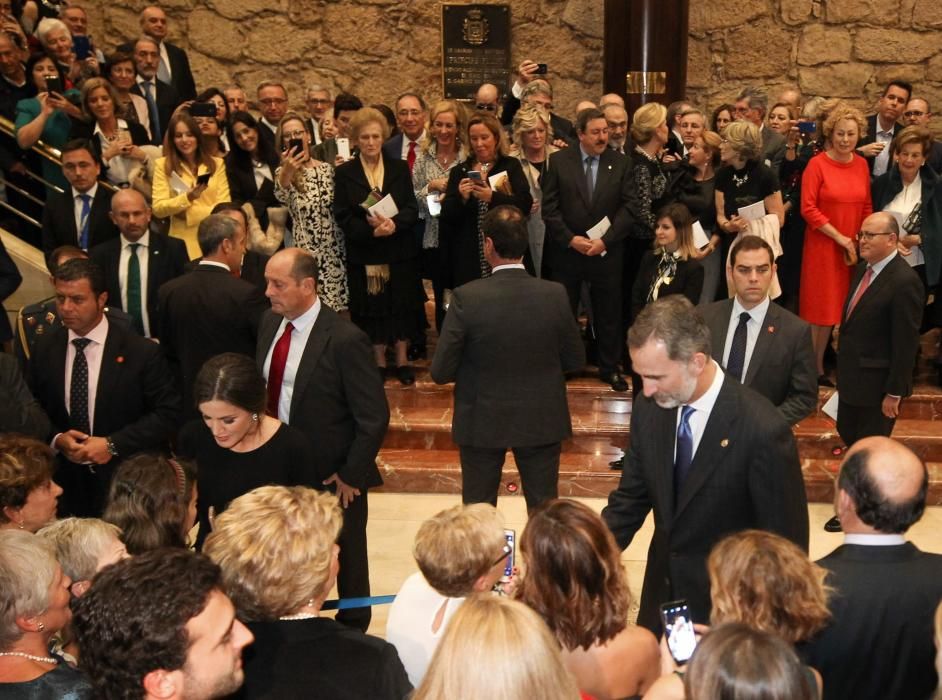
[{"x": 377, "y": 48}]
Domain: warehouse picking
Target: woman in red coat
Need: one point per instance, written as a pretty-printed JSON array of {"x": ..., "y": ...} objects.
[{"x": 835, "y": 199}]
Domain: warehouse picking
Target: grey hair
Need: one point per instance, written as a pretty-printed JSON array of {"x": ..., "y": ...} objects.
[
  {"x": 79, "y": 544},
  {"x": 536, "y": 87},
  {"x": 50, "y": 24},
  {"x": 213, "y": 230},
  {"x": 676, "y": 323},
  {"x": 757, "y": 99},
  {"x": 27, "y": 569}
]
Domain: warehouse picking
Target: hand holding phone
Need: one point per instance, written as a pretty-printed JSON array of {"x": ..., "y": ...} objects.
[
  {"x": 806, "y": 127},
  {"x": 678, "y": 629},
  {"x": 343, "y": 147},
  {"x": 475, "y": 176},
  {"x": 202, "y": 180}
]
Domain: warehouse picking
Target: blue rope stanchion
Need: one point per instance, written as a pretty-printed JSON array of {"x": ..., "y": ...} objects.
[{"x": 347, "y": 603}]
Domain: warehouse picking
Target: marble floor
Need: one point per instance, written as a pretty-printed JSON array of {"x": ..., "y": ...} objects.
[{"x": 395, "y": 518}]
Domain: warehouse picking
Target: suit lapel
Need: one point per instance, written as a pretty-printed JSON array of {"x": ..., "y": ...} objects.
[
  {"x": 719, "y": 327},
  {"x": 858, "y": 275},
  {"x": 763, "y": 341},
  {"x": 713, "y": 445},
  {"x": 316, "y": 343},
  {"x": 666, "y": 439},
  {"x": 109, "y": 376},
  {"x": 580, "y": 176},
  {"x": 884, "y": 279},
  {"x": 156, "y": 259},
  {"x": 266, "y": 336},
  {"x": 58, "y": 368}
]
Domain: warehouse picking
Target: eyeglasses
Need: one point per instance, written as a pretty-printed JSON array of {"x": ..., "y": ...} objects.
[
  {"x": 294, "y": 134},
  {"x": 270, "y": 101},
  {"x": 409, "y": 112},
  {"x": 870, "y": 235},
  {"x": 741, "y": 110},
  {"x": 485, "y": 107},
  {"x": 504, "y": 553},
  {"x": 914, "y": 113}
]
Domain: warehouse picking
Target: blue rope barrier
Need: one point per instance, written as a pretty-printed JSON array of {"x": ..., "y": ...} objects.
[{"x": 347, "y": 603}]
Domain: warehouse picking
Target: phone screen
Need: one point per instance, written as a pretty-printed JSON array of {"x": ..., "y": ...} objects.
[
  {"x": 511, "y": 537},
  {"x": 202, "y": 179},
  {"x": 678, "y": 626},
  {"x": 474, "y": 175},
  {"x": 806, "y": 127}
]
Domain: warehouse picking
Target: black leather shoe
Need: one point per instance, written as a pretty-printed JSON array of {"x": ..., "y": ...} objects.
[
  {"x": 618, "y": 464},
  {"x": 833, "y": 525},
  {"x": 406, "y": 375},
  {"x": 416, "y": 352},
  {"x": 616, "y": 381}
]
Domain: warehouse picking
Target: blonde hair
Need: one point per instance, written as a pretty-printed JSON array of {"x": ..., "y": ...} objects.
[
  {"x": 365, "y": 116},
  {"x": 457, "y": 546},
  {"x": 841, "y": 112},
  {"x": 444, "y": 107},
  {"x": 27, "y": 569},
  {"x": 297, "y": 182},
  {"x": 93, "y": 84},
  {"x": 528, "y": 118},
  {"x": 274, "y": 546},
  {"x": 744, "y": 138},
  {"x": 910, "y": 135},
  {"x": 767, "y": 582},
  {"x": 712, "y": 142},
  {"x": 647, "y": 118},
  {"x": 679, "y": 216},
  {"x": 79, "y": 543},
  {"x": 497, "y": 649}
]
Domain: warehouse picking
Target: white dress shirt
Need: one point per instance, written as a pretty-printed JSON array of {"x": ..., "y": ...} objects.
[
  {"x": 885, "y": 136},
  {"x": 753, "y": 326},
  {"x": 875, "y": 540},
  {"x": 702, "y": 409},
  {"x": 93, "y": 354},
  {"x": 299, "y": 337},
  {"x": 143, "y": 256},
  {"x": 77, "y": 207},
  {"x": 404, "y": 154},
  {"x": 119, "y": 167},
  {"x": 262, "y": 172},
  {"x": 908, "y": 198}
]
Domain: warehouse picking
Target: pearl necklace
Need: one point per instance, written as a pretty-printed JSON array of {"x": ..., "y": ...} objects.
[{"x": 31, "y": 657}]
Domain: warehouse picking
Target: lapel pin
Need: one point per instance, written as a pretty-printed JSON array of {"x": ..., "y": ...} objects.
[
  {"x": 771, "y": 329},
  {"x": 119, "y": 359},
  {"x": 156, "y": 252},
  {"x": 610, "y": 167},
  {"x": 724, "y": 442}
]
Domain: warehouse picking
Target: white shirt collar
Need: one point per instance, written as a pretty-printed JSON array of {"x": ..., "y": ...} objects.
[
  {"x": 705, "y": 403},
  {"x": 508, "y": 266},
  {"x": 756, "y": 313},
  {"x": 91, "y": 192},
  {"x": 308, "y": 317},
  {"x": 875, "y": 540},
  {"x": 121, "y": 125},
  {"x": 98, "y": 334},
  {"x": 878, "y": 266},
  {"x": 143, "y": 241},
  {"x": 214, "y": 263}
]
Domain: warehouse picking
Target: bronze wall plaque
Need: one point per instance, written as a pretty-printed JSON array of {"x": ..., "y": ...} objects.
[{"x": 475, "y": 48}]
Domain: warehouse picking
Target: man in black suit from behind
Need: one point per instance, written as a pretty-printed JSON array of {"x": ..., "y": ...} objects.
[
  {"x": 162, "y": 98},
  {"x": 209, "y": 311},
  {"x": 879, "y": 642},
  {"x": 322, "y": 379},
  {"x": 80, "y": 216},
  {"x": 570, "y": 210},
  {"x": 883, "y": 126},
  {"x": 708, "y": 455},
  {"x": 174, "y": 66},
  {"x": 879, "y": 334},
  {"x": 138, "y": 262},
  {"x": 106, "y": 390},
  {"x": 757, "y": 341},
  {"x": 507, "y": 342}
]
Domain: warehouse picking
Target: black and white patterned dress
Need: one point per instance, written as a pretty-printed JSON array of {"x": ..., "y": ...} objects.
[{"x": 311, "y": 208}]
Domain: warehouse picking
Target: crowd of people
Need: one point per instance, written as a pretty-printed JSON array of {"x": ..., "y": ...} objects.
[{"x": 236, "y": 280}]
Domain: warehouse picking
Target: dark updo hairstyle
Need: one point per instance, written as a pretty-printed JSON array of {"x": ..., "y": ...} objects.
[
  {"x": 148, "y": 500},
  {"x": 233, "y": 378}
]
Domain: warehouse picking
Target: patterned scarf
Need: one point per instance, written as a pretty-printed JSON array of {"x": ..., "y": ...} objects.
[{"x": 666, "y": 271}]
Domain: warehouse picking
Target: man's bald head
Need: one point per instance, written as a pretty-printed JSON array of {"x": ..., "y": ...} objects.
[
  {"x": 130, "y": 213},
  {"x": 611, "y": 98},
  {"x": 882, "y": 487}
]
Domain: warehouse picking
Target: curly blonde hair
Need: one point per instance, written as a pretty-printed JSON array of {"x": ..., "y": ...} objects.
[
  {"x": 841, "y": 112},
  {"x": 765, "y": 581},
  {"x": 274, "y": 546}
]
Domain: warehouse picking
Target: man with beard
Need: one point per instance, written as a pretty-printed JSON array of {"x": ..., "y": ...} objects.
[{"x": 708, "y": 455}]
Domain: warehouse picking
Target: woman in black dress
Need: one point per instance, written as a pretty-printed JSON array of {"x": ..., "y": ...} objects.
[
  {"x": 383, "y": 271},
  {"x": 236, "y": 446},
  {"x": 250, "y": 166},
  {"x": 470, "y": 194}
]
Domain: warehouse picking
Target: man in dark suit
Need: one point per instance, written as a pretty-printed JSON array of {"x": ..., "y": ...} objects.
[
  {"x": 174, "y": 66},
  {"x": 508, "y": 362},
  {"x": 710, "y": 456},
  {"x": 106, "y": 390},
  {"x": 138, "y": 262},
  {"x": 758, "y": 342},
  {"x": 574, "y": 203},
  {"x": 524, "y": 91},
  {"x": 752, "y": 105},
  {"x": 879, "y": 334},
  {"x": 162, "y": 98},
  {"x": 883, "y": 126},
  {"x": 885, "y": 588},
  {"x": 81, "y": 215},
  {"x": 209, "y": 311},
  {"x": 19, "y": 410},
  {"x": 322, "y": 379}
]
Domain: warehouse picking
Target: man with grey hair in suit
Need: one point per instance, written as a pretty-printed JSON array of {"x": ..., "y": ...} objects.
[{"x": 752, "y": 105}]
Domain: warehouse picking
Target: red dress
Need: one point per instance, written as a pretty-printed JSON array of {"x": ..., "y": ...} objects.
[{"x": 838, "y": 194}]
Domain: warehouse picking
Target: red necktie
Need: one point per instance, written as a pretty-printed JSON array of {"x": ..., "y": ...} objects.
[
  {"x": 864, "y": 283},
  {"x": 410, "y": 159},
  {"x": 276, "y": 372}
]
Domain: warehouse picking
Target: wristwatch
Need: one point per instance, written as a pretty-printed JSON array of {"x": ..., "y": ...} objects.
[{"x": 112, "y": 450}]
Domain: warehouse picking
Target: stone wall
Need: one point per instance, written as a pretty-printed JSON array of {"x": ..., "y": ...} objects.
[{"x": 375, "y": 48}]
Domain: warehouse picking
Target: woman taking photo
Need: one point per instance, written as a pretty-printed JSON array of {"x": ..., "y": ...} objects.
[
  {"x": 28, "y": 495},
  {"x": 532, "y": 146},
  {"x": 306, "y": 187},
  {"x": 386, "y": 293},
  {"x": 120, "y": 72},
  {"x": 672, "y": 266},
  {"x": 56, "y": 40},
  {"x": 277, "y": 548},
  {"x": 575, "y": 581},
  {"x": 188, "y": 182},
  {"x": 470, "y": 195},
  {"x": 835, "y": 199},
  {"x": 236, "y": 446},
  {"x": 442, "y": 151},
  {"x": 250, "y": 167},
  {"x": 36, "y": 607},
  {"x": 116, "y": 140}
]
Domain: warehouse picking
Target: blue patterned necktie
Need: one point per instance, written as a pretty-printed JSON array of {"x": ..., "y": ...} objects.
[
  {"x": 78, "y": 390},
  {"x": 684, "y": 456},
  {"x": 83, "y": 220},
  {"x": 147, "y": 87}
]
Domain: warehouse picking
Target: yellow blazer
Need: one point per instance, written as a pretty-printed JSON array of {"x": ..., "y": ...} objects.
[{"x": 185, "y": 215}]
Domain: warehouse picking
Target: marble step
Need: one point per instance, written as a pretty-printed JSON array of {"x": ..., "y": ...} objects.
[{"x": 587, "y": 475}]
